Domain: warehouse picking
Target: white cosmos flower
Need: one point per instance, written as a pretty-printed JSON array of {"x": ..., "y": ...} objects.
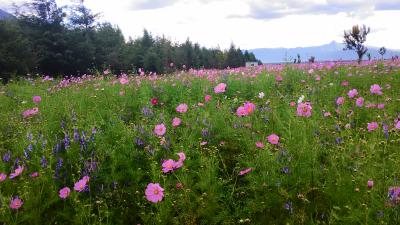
[
  {"x": 261, "y": 95},
  {"x": 301, "y": 99}
]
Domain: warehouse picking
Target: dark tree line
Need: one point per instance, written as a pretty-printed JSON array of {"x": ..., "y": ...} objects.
[{"x": 47, "y": 39}]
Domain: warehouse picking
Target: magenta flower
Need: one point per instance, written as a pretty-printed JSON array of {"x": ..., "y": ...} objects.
[
  {"x": 160, "y": 129},
  {"x": 168, "y": 165},
  {"x": 376, "y": 89},
  {"x": 182, "y": 108},
  {"x": 340, "y": 101},
  {"x": 292, "y": 104},
  {"x": 3, "y": 177},
  {"x": 241, "y": 111},
  {"x": 17, "y": 172},
  {"x": 182, "y": 156},
  {"x": 381, "y": 106},
  {"x": 273, "y": 139},
  {"x": 259, "y": 144},
  {"x": 154, "y": 192},
  {"x": 245, "y": 171},
  {"x": 397, "y": 126},
  {"x": 81, "y": 184},
  {"x": 360, "y": 101},
  {"x": 249, "y": 107},
  {"x": 34, "y": 174},
  {"x": 176, "y": 122},
  {"x": 207, "y": 98},
  {"x": 304, "y": 109},
  {"x": 124, "y": 80},
  {"x": 64, "y": 192},
  {"x": 36, "y": 99},
  {"x": 30, "y": 112},
  {"x": 352, "y": 93},
  {"x": 220, "y": 88},
  {"x": 372, "y": 126},
  {"x": 370, "y": 184},
  {"x": 16, "y": 203}
]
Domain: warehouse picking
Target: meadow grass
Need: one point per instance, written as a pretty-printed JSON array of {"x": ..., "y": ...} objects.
[{"x": 103, "y": 127}]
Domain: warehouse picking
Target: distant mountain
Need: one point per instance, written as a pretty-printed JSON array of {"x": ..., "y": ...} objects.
[
  {"x": 328, "y": 52},
  {"x": 5, "y": 15}
]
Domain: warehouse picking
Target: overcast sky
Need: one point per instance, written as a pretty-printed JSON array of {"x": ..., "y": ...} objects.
[{"x": 252, "y": 23}]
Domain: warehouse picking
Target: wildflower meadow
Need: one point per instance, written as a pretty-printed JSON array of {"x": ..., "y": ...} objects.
[{"x": 311, "y": 143}]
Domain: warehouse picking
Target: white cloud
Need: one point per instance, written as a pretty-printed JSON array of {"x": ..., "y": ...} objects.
[{"x": 254, "y": 23}]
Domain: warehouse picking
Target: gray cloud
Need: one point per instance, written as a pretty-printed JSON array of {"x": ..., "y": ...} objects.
[{"x": 271, "y": 9}]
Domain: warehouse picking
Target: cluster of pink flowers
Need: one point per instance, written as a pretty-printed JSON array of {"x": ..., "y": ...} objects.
[
  {"x": 160, "y": 129},
  {"x": 154, "y": 192},
  {"x": 304, "y": 109},
  {"x": 245, "y": 110},
  {"x": 171, "y": 165},
  {"x": 30, "y": 112},
  {"x": 81, "y": 184},
  {"x": 124, "y": 79},
  {"x": 182, "y": 108},
  {"x": 220, "y": 88}
]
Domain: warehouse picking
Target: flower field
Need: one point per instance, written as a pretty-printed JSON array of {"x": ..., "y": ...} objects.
[{"x": 277, "y": 144}]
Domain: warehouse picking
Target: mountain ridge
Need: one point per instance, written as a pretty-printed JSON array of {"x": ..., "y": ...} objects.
[{"x": 328, "y": 52}]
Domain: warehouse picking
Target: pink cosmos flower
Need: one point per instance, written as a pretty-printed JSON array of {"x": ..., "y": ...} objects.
[
  {"x": 245, "y": 171},
  {"x": 345, "y": 83},
  {"x": 182, "y": 108},
  {"x": 81, "y": 184},
  {"x": 154, "y": 192},
  {"x": 273, "y": 139},
  {"x": 36, "y": 99},
  {"x": 249, "y": 107},
  {"x": 34, "y": 174},
  {"x": 154, "y": 101},
  {"x": 318, "y": 78},
  {"x": 64, "y": 192},
  {"x": 207, "y": 98},
  {"x": 203, "y": 143},
  {"x": 340, "y": 101},
  {"x": 376, "y": 89},
  {"x": 372, "y": 126},
  {"x": 278, "y": 78},
  {"x": 124, "y": 80},
  {"x": 397, "y": 126},
  {"x": 182, "y": 156},
  {"x": 370, "y": 184},
  {"x": 220, "y": 88},
  {"x": 292, "y": 104},
  {"x": 304, "y": 109},
  {"x": 160, "y": 129},
  {"x": 106, "y": 72},
  {"x": 241, "y": 111},
  {"x": 360, "y": 101},
  {"x": 86, "y": 178},
  {"x": 3, "y": 177},
  {"x": 30, "y": 112},
  {"x": 17, "y": 172},
  {"x": 327, "y": 114},
  {"x": 176, "y": 122},
  {"x": 259, "y": 144},
  {"x": 16, "y": 203},
  {"x": 381, "y": 106},
  {"x": 168, "y": 165},
  {"x": 352, "y": 93}
]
